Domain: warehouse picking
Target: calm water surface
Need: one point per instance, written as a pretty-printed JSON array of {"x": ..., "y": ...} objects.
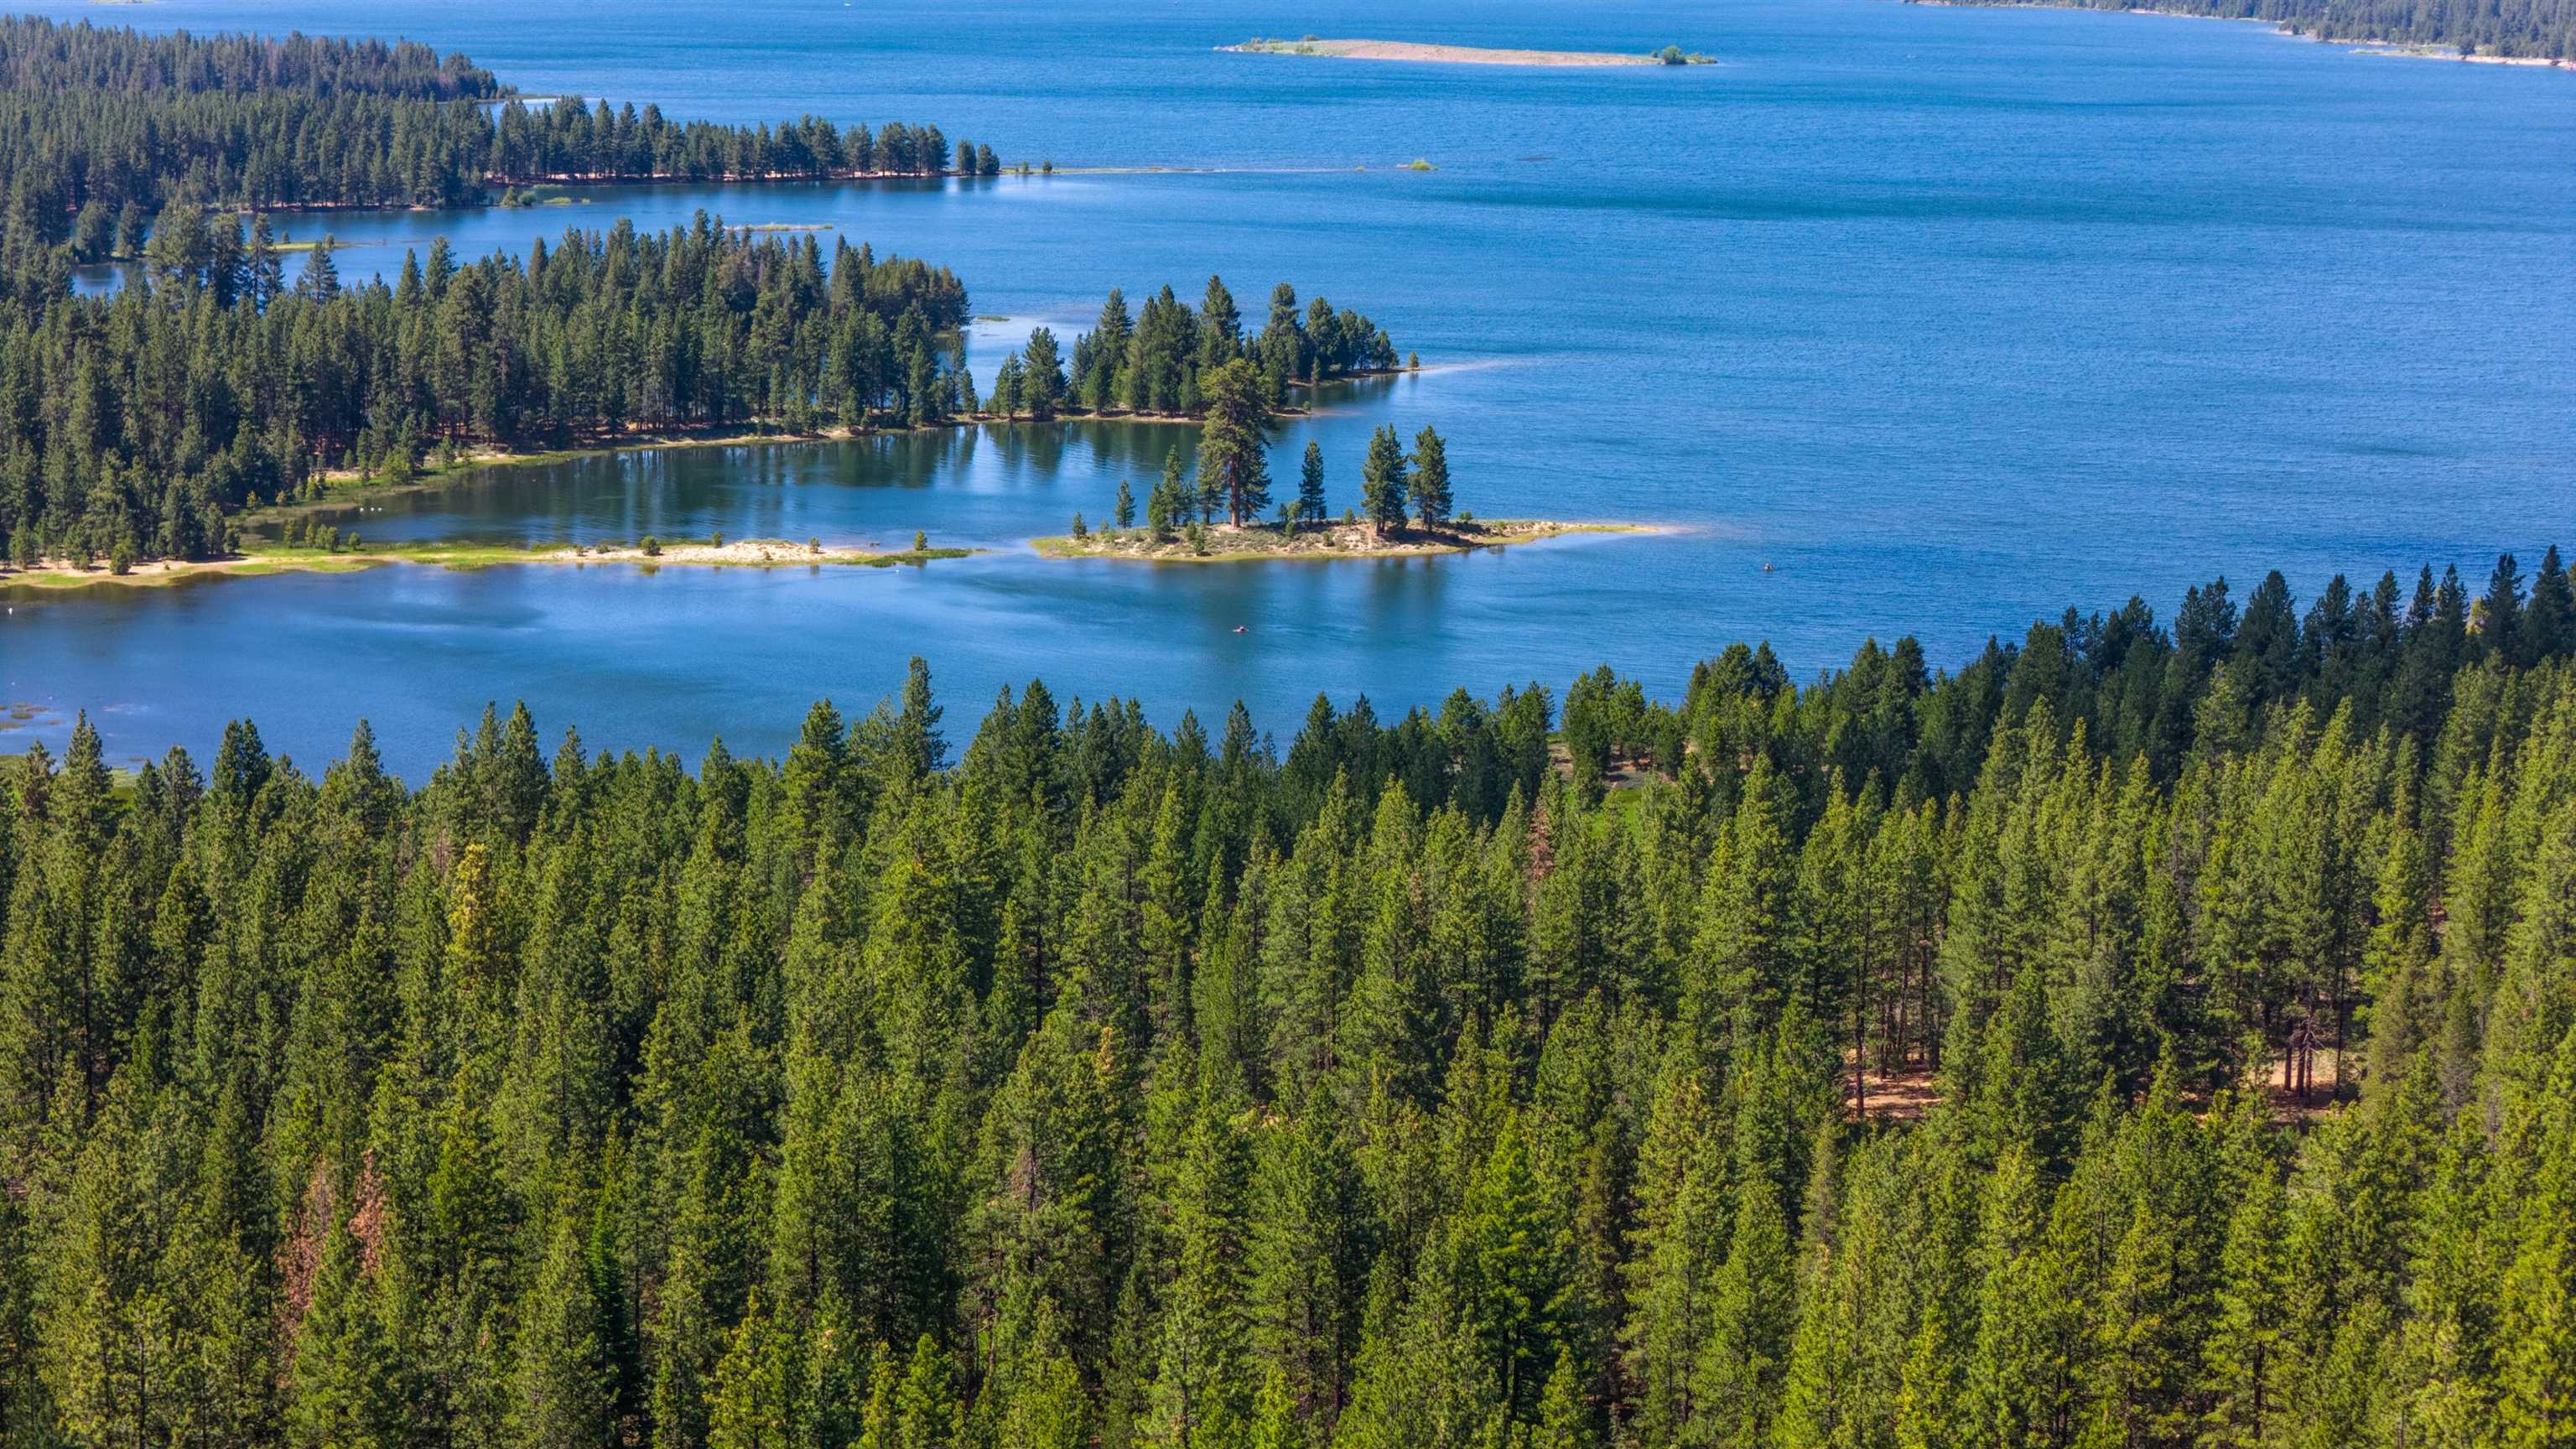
[{"x": 1952, "y": 316}]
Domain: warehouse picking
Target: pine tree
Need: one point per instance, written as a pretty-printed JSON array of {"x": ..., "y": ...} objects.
[
  {"x": 1232, "y": 442},
  {"x": 1743, "y": 975},
  {"x": 912, "y": 1404},
  {"x": 1180, "y": 500},
  {"x": 1563, "y": 1420},
  {"x": 2548, "y": 628},
  {"x": 1929, "y": 1408},
  {"x": 1421, "y": 1380},
  {"x": 1159, "y": 513},
  {"x": 1513, "y": 1256},
  {"x": 2245, "y": 1351},
  {"x": 564, "y": 1389},
  {"x": 1220, "y": 338},
  {"x": 1199, "y": 1392},
  {"x": 1042, "y": 389},
  {"x": 1738, "y": 1376},
  {"x": 1308, "y": 1246},
  {"x": 1431, "y": 496},
  {"x": 1010, "y": 384},
  {"x": 2020, "y": 1376},
  {"x": 2536, "y": 1301},
  {"x": 349, "y": 1386},
  {"x": 1274, "y": 1418},
  {"x": 1035, "y": 1398},
  {"x": 1310, "y": 484},
  {"x": 754, "y": 1401},
  {"x": 1672, "y": 1264},
  {"x": 2499, "y": 614},
  {"x": 1382, "y": 483}
]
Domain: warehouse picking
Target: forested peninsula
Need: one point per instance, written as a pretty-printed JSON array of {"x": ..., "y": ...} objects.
[
  {"x": 2527, "y": 30},
  {"x": 2145, "y": 1034},
  {"x": 100, "y": 128},
  {"x": 137, "y": 426}
]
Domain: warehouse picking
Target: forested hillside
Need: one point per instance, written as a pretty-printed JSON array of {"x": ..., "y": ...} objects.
[
  {"x": 2513, "y": 28},
  {"x": 1055, "y": 1081}
]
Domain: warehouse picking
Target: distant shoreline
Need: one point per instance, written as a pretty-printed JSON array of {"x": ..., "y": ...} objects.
[
  {"x": 1455, "y": 54},
  {"x": 2359, "y": 45},
  {"x": 569, "y": 181}
]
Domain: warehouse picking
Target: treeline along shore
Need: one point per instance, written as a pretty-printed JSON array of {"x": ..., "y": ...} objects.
[
  {"x": 141, "y": 424},
  {"x": 101, "y": 128},
  {"x": 2159, "y": 1024},
  {"x": 2507, "y": 30}
]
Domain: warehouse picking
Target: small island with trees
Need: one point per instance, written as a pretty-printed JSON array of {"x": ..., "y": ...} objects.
[
  {"x": 1342, "y": 539},
  {"x": 1407, "y": 503},
  {"x": 1461, "y": 54}
]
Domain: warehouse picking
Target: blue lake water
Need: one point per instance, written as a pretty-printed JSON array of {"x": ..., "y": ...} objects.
[{"x": 1954, "y": 317}]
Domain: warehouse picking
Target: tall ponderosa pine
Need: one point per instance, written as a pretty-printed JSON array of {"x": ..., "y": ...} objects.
[
  {"x": 1431, "y": 497},
  {"x": 1233, "y": 442},
  {"x": 1382, "y": 482}
]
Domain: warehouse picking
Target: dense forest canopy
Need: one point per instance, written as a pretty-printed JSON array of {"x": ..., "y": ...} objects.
[
  {"x": 2512, "y": 28},
  {"x": 1419, "y": 1085},
  {"x": 37, "y": 54}
]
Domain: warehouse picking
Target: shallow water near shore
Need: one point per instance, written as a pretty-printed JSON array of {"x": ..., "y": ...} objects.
[{"x": 1953, "y": 317}]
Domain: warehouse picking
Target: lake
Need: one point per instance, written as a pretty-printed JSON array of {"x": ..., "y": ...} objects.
[{"x": 1950, "y": 317}]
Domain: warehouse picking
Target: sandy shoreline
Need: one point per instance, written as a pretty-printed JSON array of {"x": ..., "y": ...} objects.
[
  {"x": 1443, "y": 54},
  {"x": 1226, "y": 544},
  {"x": 1264, "y": 542},
  {"x": 755, "y": 553}
]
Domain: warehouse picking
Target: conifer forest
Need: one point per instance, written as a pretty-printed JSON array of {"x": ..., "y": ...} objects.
[
  {"x": 2155, "y": 1029},
  {"x": 2141, "y": 1035}
]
